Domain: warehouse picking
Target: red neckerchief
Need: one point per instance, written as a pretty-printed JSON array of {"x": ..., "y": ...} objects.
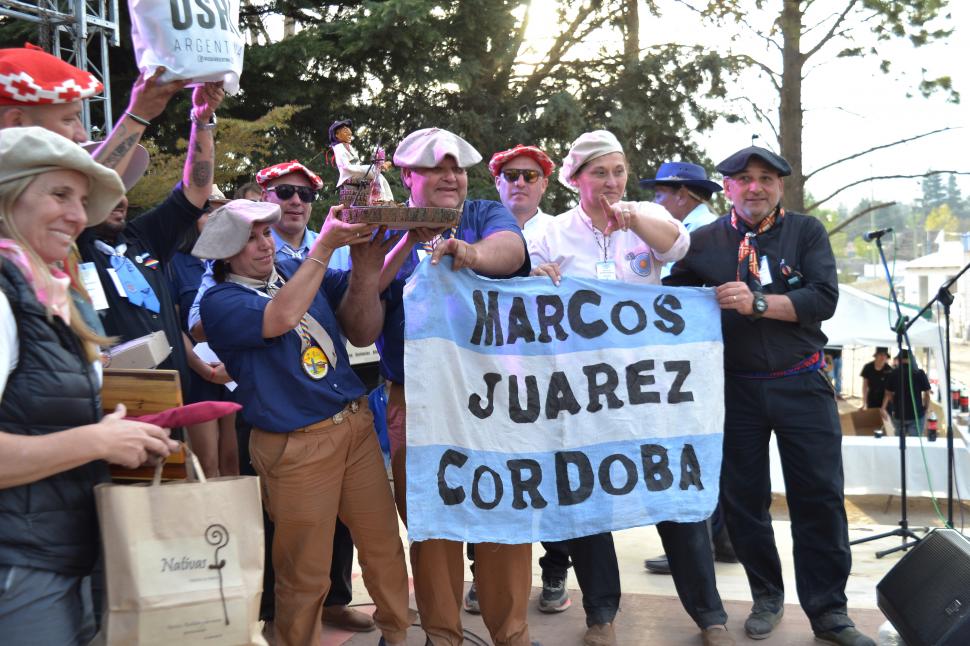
[{"x": 748, "y": 249}]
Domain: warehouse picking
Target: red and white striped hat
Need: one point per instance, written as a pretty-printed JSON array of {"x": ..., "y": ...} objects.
[
  {"x": 31, "y": 76},
  {"x": 278, "y": 170},
  {"x": 498, "y": 159}
]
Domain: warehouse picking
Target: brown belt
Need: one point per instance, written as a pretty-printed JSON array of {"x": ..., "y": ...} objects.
[{"x": 339, "y": 418}]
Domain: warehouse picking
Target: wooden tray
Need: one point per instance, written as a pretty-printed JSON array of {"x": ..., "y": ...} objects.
[{"x": 401, "y": 217}]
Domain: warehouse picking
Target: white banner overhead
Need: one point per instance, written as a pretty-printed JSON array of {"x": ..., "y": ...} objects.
[{"x": 197, "y": 40}]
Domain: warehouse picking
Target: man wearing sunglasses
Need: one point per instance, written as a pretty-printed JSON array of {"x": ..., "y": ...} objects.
[
  {"x": 521, "y": 179},
  {"x": 294, "y": 187}
]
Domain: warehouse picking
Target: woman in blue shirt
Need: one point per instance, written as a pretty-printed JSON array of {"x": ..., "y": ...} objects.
[{"x": 278, "y": 330}]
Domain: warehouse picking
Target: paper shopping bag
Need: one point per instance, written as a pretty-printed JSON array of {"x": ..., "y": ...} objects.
[
  {"x": 183, "y": 561},
  {"x": 199, "y": 40}
]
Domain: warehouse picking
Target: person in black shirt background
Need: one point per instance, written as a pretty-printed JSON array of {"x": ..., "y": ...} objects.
[
  {"x": 874, "y": 375},
  {"x": 906, "y": 418},
  {"x": 139, "y": 301},
  {"x": 775, "y": 279}
]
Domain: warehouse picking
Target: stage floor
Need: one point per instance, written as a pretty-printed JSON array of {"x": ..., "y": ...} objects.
[
  {"x": 645, "y": 619},
  {"x": 650, "y": 612}
]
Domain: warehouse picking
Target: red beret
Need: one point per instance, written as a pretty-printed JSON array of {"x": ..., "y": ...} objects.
[
  {"x": 278, "y": 170},
  {"x": 31, "y": 76},
  {"x": 498, "y": 159}
]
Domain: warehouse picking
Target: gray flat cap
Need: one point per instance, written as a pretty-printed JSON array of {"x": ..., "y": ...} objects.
[{"x": 228, "y": 228}]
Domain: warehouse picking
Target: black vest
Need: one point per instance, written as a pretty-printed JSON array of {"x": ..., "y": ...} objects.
[{"x": 50, "y": 524}]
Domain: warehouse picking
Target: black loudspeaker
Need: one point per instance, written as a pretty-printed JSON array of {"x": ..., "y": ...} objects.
[{"x": 926, "y": 596}]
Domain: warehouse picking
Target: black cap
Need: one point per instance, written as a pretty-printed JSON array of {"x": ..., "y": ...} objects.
[
  {"x": 881, "y": 350},
  {"x": 739, "y": 161}
]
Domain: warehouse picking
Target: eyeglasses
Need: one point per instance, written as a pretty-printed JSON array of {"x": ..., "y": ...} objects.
[
  {"x": 512, "y": 175},
  {"x": 286, "y": 191}
]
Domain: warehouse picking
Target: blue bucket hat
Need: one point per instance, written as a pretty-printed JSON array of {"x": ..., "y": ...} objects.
[{"x": 682, "y": 174}]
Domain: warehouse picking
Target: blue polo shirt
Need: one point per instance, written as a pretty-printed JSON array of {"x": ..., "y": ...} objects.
[
  {"x": 275, "y": 392},
  {"x": 479, "y": 219}
]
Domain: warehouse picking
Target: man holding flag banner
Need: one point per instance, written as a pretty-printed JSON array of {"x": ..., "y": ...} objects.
[{"x": 583, "y": 405}]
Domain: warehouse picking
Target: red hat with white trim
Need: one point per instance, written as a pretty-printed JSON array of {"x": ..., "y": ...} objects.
[
  {"x": 278, "y": 170},
  {"x": 500, "y": 158},
  {"x": 31, "y": 76}
]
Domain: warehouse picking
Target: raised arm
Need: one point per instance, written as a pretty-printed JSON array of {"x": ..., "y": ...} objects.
[
  {"x": 148, "y": 100},
  {"x": 287, "y": 308},
  {"x": 197, "y": 174},
  {"x": 361, "y": 312}
]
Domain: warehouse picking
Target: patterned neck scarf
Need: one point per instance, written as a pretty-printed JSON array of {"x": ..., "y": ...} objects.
[
  {"x": 309, "y": 329},
  {"x": 429, "y": 246},
  {"x": 53, "y": 293},
  {"x": 748, "y": 249}
]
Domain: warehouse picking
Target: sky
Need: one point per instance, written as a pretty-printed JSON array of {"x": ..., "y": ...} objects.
[{"x": 849, "y": 104}]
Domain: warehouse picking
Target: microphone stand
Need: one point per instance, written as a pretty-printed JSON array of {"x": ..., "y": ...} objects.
[
  {"x": 946, "y": 299},
  {"x": 901, "y": 328}
]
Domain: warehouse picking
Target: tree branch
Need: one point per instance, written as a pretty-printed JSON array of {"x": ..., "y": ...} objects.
[
  {"x": 875, "y": 148},
  {"x": 852, "y": 218},
  {"x": 812, "y": 207},
  {"x": 772, "y": 75},
  {"x": 564, "y": 41},
  {"x": 831, "y": 32}
]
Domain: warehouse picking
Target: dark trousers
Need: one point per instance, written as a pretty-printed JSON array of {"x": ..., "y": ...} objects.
[
  {"x": 342, "y": 561},
  {"x": 802, "y": 412},
  {"x": 598, "y": 575},
  {"x": 555, "y": 561},
  {"x": 688, "y": 550}
]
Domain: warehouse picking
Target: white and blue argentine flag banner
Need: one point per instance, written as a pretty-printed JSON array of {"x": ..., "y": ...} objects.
[{"x": 537, "y": 412}]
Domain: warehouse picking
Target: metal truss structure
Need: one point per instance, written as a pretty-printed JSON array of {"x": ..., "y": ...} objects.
[{"x": 80, "y": 32}]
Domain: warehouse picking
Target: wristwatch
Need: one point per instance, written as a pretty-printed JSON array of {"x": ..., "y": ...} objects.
[
  {"x": 759, "y": 306},
  {"x": 201, "y": 125}
]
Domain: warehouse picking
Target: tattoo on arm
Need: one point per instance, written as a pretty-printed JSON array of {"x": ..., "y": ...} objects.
[
  {"x": 113, "y": 158},
  {"x": 201, "y": 173}
]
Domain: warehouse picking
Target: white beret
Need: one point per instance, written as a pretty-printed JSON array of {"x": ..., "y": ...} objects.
[
  {"x": 589, "y": 145},
  {"x": 227, "y": 230},
  {"x": 29, "y": 151},
  {"x": 426, "y": 148}
]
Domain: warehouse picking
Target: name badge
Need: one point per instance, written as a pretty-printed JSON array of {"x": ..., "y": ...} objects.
[
  {"x": 765, "y": 271},
  {"x": 88, "y": 274},
  {"x": 606, "y": 270},
  {"x": 117, "y": 282}
]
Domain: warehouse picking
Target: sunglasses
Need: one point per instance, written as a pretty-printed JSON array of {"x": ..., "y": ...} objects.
[
  {"x": 512, "y": 175},
  {"x": 286, "y": 191}
]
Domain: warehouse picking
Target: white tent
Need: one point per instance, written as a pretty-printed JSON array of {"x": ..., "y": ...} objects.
[{"x": 865, "y": 319}]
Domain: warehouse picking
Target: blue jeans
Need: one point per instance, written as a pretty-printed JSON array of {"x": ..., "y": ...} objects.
[
  {"x": 43, "y": 607},
  {"x": 911, "y": 427}
]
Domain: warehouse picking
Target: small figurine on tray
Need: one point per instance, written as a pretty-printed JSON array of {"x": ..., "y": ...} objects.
[
  {"x": 366, "y": 195},
  {"x": 359, "y": 184}
]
